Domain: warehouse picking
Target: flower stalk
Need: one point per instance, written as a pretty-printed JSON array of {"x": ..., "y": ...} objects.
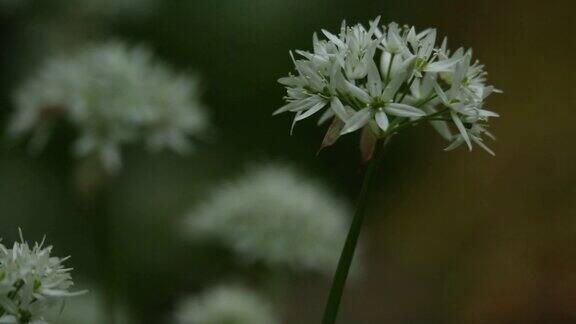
[
  {"x": 348, "y": 251},
  {"x": 92, "y": 180}
]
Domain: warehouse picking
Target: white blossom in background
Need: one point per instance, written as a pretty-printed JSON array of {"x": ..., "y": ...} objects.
[
  {"x": 382, "y": 79},
  {"x": 112, "y": 95},
  {"x": 31, "y": 281},
  {"x": 225, "y": 304},
  {"x": 275, "y": 216}
]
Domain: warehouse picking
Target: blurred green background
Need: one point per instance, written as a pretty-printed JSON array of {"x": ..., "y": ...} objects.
[{"x": 452, "y": 237}]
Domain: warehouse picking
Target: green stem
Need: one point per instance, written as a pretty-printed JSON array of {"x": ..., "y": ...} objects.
[
  {"x": 105, "y": 250},
  {"x": 347, "y": 255},
  {"x": 93, "y": 186}
]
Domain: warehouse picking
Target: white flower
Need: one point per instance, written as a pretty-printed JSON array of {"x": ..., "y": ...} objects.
[
  {"x": 112, "y": 95},
  {"x": 381, "y": 80},
  {"x": 275, "y": 216},
  {"x": 225, "y": 304},
  {"x": 31, "y": 281}
]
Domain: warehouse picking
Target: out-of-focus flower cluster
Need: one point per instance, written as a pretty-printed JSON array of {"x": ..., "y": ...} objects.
[
  {"x": 275, "y": 216},
  {"x": 382, "y": 79},
  {"x": 112, "y": 95},
  {"x": 225, "y": 304},
  {"x": 31, "y": 281}
]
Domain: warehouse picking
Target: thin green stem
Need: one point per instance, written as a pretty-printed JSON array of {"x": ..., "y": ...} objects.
[
  {"x": 102, "y": 235},
  {"x": 93, "y": 184},
  {"x": 347, "y": 255}
]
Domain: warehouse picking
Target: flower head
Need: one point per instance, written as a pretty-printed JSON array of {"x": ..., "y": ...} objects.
[
  {"x": 383, "y": 79},
  {"x": 30, "y": 282},
  {"x": 275, "y": 216},
  {"x": 225, "y": 304},
  {"x": 112, "y": 95}
]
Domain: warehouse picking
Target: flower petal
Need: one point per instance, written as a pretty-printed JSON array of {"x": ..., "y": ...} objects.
[
  {"x": 339, "y": 110},
  {"x": 374, "y": 80},
  {"x": 442, "y": 128},
  {"x": 480, "y": 143},
  {"x": 357, "y": 121},
  {"x": 382, "y": 120},
  {"x": 461, "y": 129},
  {"x": 329, "y": 113},
  {"x": 367, "y": 144},
  {"x": 403, "y": 110},
  {"x": 456, "y": 143},
  {"x": 333, "y": 38},
  {"x": 314, "y": 109},
  {"x": 442, "y": 66},
  {"x": 332, "y": 134},
  {"x": 357, "y": 92},
  {"x": 441, "y": 94},
  {"x": 294, "y": 122}
]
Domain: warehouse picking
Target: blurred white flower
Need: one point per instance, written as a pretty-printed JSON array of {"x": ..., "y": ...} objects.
[
  {"x": 86, "y": 309},
  {"x": 112, "y": 95},
  {"x": 31, "y": 281},
  {"x": 275, "y": 216},
  {"x": 225, "y": 304},
  {"x": 383, "y": 79}
]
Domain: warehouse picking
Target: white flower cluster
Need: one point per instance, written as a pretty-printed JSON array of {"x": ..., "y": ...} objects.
[
  {"x": 384, "y": 79},
  {"x": 31, "y": 281},
  {"x": 112, "y": 95},
  {"x": 275, "y": 216},
  {"x": 225, "y": 304}
]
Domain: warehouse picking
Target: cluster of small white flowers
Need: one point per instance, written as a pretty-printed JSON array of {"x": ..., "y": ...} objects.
[
  {"x": 383, "y": 79},
  {"x": 274, "y": 216},
  {"x": 31, "y": 281},
  {"x": 225, "y": 304},
  {"x": 112, "y": 95}
]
